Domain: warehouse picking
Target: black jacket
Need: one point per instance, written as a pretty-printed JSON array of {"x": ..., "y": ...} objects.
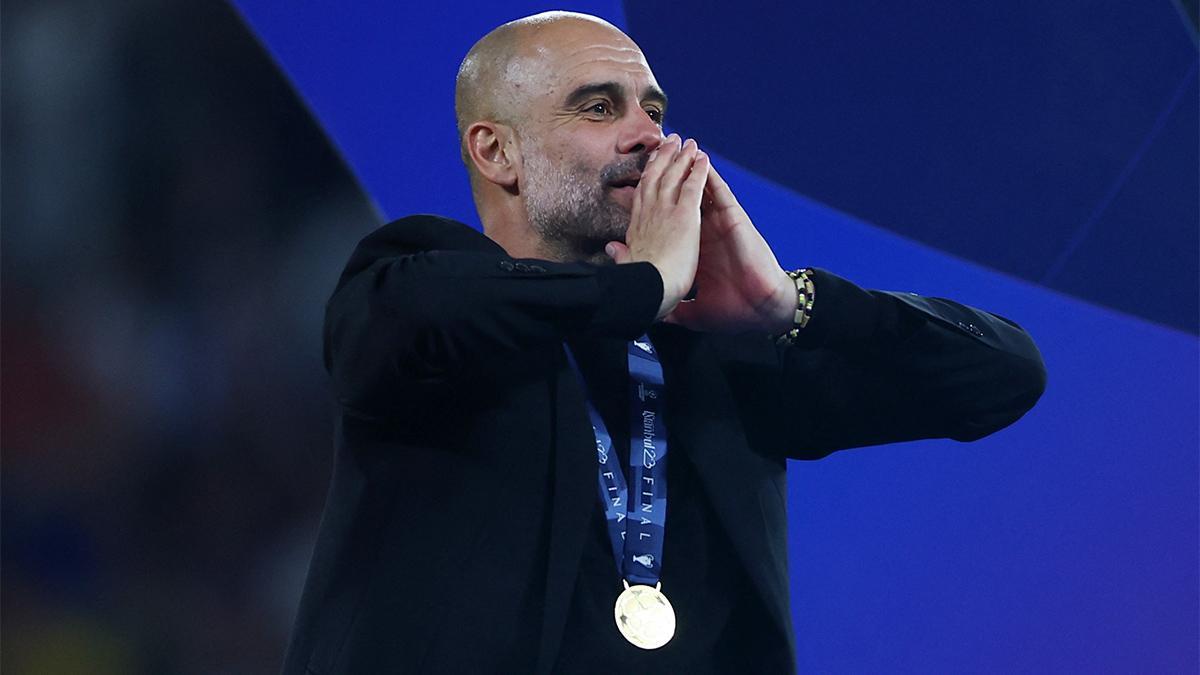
[{"x": 464, "y": 476}]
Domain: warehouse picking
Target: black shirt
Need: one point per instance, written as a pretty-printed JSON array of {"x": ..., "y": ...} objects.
[{"x": 719, "y": 619}]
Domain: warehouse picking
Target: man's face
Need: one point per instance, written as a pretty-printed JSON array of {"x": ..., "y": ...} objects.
[{"x": 595, "y": 113}]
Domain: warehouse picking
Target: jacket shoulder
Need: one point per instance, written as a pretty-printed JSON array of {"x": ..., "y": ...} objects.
[{"x": 413, "y": 234}]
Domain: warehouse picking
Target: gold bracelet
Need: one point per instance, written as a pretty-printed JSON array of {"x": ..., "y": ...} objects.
[{"x": 806, "y": 293}]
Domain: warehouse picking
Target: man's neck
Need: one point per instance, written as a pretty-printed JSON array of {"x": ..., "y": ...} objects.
[
  {"x": 517, "y": 245},
  {"x": 524, "y": 244}
]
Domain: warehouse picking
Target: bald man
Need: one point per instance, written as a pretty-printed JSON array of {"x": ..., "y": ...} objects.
[{"x": 562, "y": 443}]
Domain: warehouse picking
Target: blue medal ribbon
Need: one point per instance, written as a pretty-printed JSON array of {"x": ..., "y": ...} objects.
[{"x": 636, "y": 518}]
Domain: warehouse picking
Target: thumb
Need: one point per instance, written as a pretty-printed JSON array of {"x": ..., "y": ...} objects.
[{"x": 617, "y": 251}]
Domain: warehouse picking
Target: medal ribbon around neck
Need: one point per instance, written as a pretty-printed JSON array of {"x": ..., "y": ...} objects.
[{"x": 636, "y": 518}]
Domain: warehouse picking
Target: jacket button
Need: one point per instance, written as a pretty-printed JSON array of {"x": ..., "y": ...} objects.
[
  {"x": 506, "y": 266},
  {"x": 537, "y": 268},
  {"x": 522, "y": 267}
]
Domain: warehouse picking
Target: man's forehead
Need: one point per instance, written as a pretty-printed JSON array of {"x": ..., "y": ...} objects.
[
  {"x": 561, "y": 71},
  {"x": 624, "y": 57}
]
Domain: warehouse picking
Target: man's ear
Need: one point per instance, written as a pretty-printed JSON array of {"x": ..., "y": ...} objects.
[{"x": 492, "y": 149}]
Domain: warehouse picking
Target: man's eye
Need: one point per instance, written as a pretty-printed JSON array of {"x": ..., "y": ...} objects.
[
  {"x": 598, "y": 108},
  {"x": 655, "y": 115}
]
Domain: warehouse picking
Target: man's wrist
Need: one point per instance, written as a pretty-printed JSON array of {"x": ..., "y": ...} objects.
[
  {"x": 777, "y": 319},
  {"x": 803, "y": 297}
]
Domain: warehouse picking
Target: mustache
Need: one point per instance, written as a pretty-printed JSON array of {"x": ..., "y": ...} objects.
[{"x": 625, "y": 168}]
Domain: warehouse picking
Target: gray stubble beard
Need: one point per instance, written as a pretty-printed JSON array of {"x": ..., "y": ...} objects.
[{"x": 571, "y": 210}]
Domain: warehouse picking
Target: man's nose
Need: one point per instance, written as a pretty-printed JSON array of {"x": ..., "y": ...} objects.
[{"x": 641, "y": 135}]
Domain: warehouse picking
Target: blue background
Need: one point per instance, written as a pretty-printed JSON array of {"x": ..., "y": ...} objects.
[{"x": 1036, "y": 159}]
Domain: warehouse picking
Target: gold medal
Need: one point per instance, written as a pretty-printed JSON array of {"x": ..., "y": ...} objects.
[{"x": 645, "y": 616}]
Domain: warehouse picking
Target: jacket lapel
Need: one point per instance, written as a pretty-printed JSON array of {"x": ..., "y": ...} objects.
[{"x": 572, "y": 501}]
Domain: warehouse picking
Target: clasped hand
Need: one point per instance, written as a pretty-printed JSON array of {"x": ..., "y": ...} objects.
[{"x": 687, "y": 223}]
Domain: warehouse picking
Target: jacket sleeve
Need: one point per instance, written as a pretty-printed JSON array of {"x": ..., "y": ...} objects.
[
  {"x": 407, "y": 322},
  {"x": 876, "y": 367}
]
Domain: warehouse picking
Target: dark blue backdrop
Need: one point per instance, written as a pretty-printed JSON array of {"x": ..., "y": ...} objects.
[{"x": 1037, "y": 159}]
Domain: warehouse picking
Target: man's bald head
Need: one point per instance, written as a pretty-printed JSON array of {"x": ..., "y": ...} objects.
[
  {"x": 557, "y": 114},
  {"x": 495, "y": 77}
]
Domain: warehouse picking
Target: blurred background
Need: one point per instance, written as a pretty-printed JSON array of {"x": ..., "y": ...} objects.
[
  {"x": 173, "y": 221},
  {"x": 180, "y": 187}
]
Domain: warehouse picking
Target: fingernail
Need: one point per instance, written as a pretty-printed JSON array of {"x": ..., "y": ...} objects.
[{"x": 610, "y": 250}]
